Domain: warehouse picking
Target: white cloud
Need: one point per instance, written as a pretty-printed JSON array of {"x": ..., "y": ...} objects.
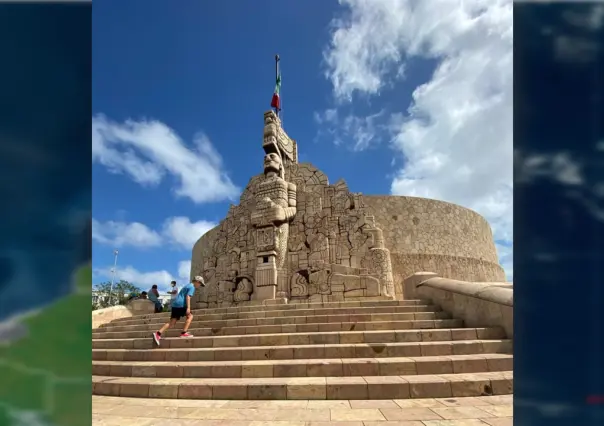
[
  {"x": 181, "y": 231},
  {"x": 585, "y": 18},
  {"x": 559, "y": 167},
  {"x": 575, "y": 49},
  {"x": 184, "y": 269},
  {"x": 566, "y": 171},
  {"x": 506, "y": 258},
  {"x": 147, "y": 151},
  {"x": 119, "y": 234},
  {"x": 455, "y": 136},
  {"x": 574, "y": 38},
  {"x": 143, "y": 280},
  {"x": 362, "y": 131},
  {"x": 178, "y": 231}
]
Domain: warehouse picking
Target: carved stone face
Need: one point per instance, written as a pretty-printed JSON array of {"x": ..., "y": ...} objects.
[
  {"x": 269, "y": 145},
  {"x": 272, "y": 163},
  {"x": 269, "y": 117}
]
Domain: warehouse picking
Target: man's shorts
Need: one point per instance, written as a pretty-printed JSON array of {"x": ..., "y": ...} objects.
[{"x": 178, "y": 313}]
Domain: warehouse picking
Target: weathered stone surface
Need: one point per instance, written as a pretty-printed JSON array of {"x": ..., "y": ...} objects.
[
  {"x": 431, "y": 235},
  {"x": 478, "y": 304},
  {"x": 294, "y": 236}
]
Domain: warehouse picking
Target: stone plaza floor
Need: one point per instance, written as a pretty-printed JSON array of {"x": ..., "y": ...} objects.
[{"x": 470, "y": 411}]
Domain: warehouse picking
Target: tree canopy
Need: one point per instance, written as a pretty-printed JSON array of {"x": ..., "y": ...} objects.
[{"x": 119, "y": 296}]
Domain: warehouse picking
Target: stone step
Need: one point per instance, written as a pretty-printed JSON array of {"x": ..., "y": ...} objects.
[
  {"x": 422, "y": 330},
  {"x": 311, "y": 388},
  {"x": 276, "y": 321},
  {"x": 338, "y": 367},
  {"x": 289, "y": 307},
  {"x": 464, "y": 345},
  {"x": 197, "y": 330},
  {"x": 201, "y": 316}
]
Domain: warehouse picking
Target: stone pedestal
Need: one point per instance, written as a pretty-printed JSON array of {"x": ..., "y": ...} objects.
[
  {"x": 265, "y": 285},
  {"x": 141, "y": 307},
  {"x": 265, "y": 293}
]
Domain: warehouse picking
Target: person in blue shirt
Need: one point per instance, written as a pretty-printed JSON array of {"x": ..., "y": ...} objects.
[{"x": 181, "y": 307}]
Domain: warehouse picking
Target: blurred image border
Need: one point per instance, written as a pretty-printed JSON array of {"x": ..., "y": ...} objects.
[
  {"x": 558, "y": 236},
  {"x": 57, "y": 37}
]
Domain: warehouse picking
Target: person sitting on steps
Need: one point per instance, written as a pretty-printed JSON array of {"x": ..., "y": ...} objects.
[
  {"x": 181, "y": 307},
  {"x": 154, "y": 297}
]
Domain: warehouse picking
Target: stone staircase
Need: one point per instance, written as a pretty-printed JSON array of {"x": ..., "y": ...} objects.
[{"x": 388, "y": 349}]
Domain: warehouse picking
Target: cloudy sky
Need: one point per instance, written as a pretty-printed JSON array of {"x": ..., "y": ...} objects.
[{"x": 394, "y": 96}]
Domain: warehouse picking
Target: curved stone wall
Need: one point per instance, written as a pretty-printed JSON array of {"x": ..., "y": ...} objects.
[
  {"x": 422, "y": 235},
  {"x": 431, "y": 235},
  {"x": 202, "y": 249}
]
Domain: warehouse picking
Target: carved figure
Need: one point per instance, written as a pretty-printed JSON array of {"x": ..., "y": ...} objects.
[
  {"x": 293, "y": 235},
  {"x": 275, "y": 208}
]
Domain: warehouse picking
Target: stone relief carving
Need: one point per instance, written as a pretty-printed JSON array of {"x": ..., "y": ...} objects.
[
  {"x": 244, "y": 289},
  {"x": 299, "y": 285},
  {"x": 293, "y": 235}
]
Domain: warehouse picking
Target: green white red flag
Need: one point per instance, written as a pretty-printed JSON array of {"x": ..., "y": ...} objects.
[{"x": 276, "y": 101}]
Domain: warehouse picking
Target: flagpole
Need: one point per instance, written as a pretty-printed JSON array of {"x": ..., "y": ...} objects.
[{"x": 277, "y": 77}]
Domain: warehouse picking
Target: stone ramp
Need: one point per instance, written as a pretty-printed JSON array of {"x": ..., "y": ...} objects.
[
  {"x": 370, "y": 350},
  {"x": 481, "y": 411}
]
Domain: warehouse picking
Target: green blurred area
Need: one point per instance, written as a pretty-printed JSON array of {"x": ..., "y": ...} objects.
[{"x": 49, "y": 370}]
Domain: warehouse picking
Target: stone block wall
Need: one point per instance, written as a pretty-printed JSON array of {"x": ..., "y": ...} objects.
[
  {"x": 106, "y": 315},
  {"x": 431, "y": 235},
  {"x": 133, "y": 308}
]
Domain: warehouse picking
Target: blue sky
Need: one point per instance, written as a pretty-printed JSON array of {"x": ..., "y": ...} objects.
[{"x": 399, "y": 100}]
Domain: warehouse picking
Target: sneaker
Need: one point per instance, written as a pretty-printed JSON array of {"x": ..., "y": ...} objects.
[
  {"x": 185, "y": 334},
  {"x": 156, "y": 338}
]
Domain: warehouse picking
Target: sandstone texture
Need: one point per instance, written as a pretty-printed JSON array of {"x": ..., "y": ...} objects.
[{"x": 294, "y": 236}]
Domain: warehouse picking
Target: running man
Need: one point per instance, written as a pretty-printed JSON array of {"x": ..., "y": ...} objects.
[{"x": 181, "y": 307}]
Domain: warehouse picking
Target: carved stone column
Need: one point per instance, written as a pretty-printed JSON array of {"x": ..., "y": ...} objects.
[{"x": 275, "y": 207}]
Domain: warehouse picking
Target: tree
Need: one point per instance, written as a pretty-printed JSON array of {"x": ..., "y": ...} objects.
[{"x": 119, "y": 296}]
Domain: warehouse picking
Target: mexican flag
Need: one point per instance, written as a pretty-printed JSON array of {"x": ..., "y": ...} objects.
[{"x": 276, "y": 101}]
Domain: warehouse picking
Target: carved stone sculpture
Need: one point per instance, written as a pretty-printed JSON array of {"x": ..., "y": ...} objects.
[
  {"x": 294, "y": 236},
  {"x": 244, "y": 290},
  {"x": 275, "y": 208}
]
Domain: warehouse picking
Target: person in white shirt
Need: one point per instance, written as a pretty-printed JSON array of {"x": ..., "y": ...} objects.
[{"x": 174, "y": 292}]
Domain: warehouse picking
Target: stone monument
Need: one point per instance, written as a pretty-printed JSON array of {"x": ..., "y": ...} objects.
[{"x": 295, "y": 237}]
